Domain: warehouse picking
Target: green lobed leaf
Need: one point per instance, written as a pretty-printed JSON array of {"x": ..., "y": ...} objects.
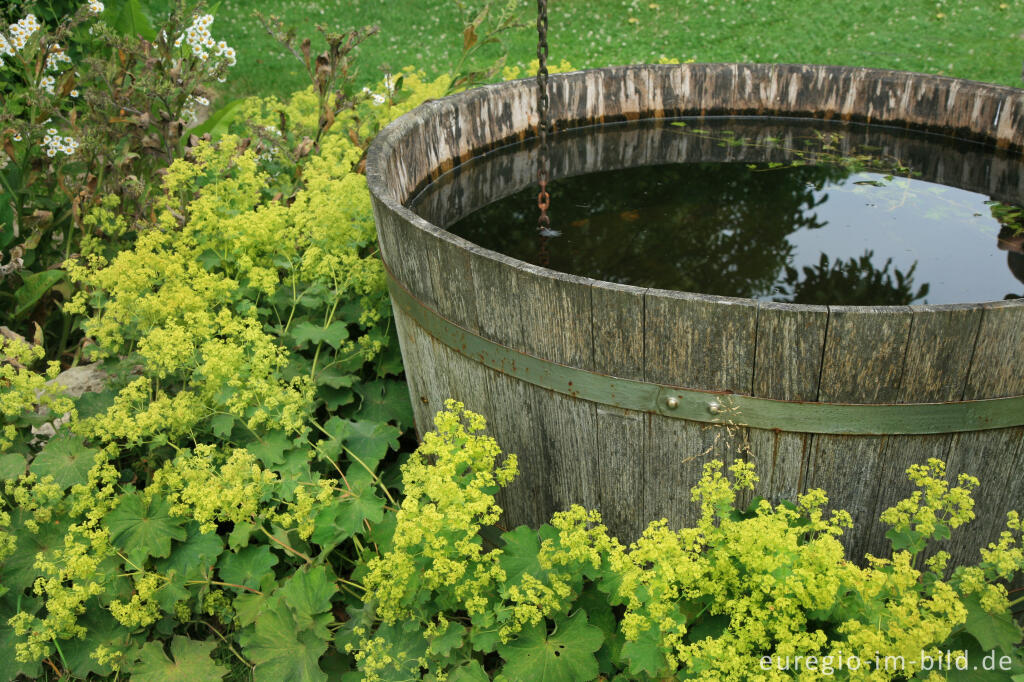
[
  {"x": 335, "y": 398},
  {"x": 103, "y": 630},
  {"x": 239, "y": 535},
  {"x": 6, "y": 221},
  {"x": 130, "y": 20},
  {"x": 520, "y": 554},
  {"x": 195, "y": 556},
  {"x": 308, "y": 592},
  {"x": 361, "y": 619},
  {"x": 12, "y": 465},
  {"x": 405, "y": 646},
  {"x": 271, "y": 449},
  {"x": 991, "y": 630},
  {"x": 981, "y": 665},
  {"x": 471, "y": 671},
  {"x": 907, "y": 539},
  {"x": 600, "y": 614},
  {"x": 10, "y": 667},
  {"x": 367, "y": 440},
  {"x": 390, "y": 361},
  {"x": 143, "y": 529},
  {"x": 219, "y": 121},
  {"x": 386, "y": 400},
  {"x": 567, "y": 654},
  {"x": 189, "y": 661},
  {"x": 645, "y": 655},
  {"x": 248, "y": 566},
  {"x": 18, "y": 571},
  {"x": 221, "y": 424},
  {"x": 65, "y": 457},
  {"x": 306, "y": 332},
  {"x": 335, "y": 377},
  {"x": 281, "y": 654},
  {"x": 248, "y": 606},
  {"x": 344, "y": 519},
  {"x": 34, "y": 287},
  {"x": 450, "y": 639}
]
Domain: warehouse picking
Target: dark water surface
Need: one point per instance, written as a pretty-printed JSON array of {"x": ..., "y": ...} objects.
[{"x": 773, "y": 209}]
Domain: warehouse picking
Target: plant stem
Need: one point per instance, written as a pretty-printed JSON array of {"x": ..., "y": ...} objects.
[{"x": 290, "y": 549}]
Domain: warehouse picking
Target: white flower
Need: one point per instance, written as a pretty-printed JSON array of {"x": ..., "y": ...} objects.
[
  {"x": 378, "y": 99},
  {"x": 95, "y": 6},
  {"x": 47, "y": 83},
  {"x": 74, "y": 92},
  {"x": 56, "y": 57},
  {"x": 17, "y": 137}
]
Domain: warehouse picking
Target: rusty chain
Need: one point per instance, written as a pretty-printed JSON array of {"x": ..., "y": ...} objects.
[{"x": 543, "y": 198}]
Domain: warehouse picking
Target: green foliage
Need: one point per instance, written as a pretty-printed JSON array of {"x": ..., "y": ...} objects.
[
  {"x": 94, "y": 102},
  {"x": 189, "y": 661},
  {"x": 567, "y": 602},
  {"x": 207, "y": 509}
]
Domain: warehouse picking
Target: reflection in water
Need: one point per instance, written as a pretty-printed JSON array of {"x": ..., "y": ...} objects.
[
  {"x": 1011, "y": 240},
  {"x": 748, "y": 222},
  {"x": 852, "y": 282}
]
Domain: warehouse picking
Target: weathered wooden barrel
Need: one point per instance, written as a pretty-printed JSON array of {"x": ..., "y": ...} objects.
[{"x": 614, "y": 396}]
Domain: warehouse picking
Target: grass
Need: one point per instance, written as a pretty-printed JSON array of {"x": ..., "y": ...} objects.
[{"x": 976, "y": 39}]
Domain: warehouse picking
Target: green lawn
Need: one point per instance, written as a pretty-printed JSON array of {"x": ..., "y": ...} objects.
[{"x": 978, "y": 39}]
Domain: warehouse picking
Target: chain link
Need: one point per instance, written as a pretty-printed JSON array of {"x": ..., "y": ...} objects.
[{"x": 543, "y": 198}]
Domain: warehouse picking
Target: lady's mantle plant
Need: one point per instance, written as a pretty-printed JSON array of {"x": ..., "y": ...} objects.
[
  {"x": 93, "y": 106},
  {"x": 738, "y": 596},
  {"x": 218, "y": 494}
]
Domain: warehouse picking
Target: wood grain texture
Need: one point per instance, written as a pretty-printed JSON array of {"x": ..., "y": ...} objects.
[
  {"x": 787, "y": 366},
  {"x": 997, "y": 366},
  {"x": 864, "y": 351},
  {"x": 862, "y": 363},
  {"x": 996, "y": 458},
  {"x": 618, "y": 323},
  {"x": 937, "y": 361},
  {"x": 790, "y": 339},
  {"x": 425, "y": 370},
  {"x": 623, "y": 471},
  {"x": 693, "y": 341},
  {"x": 557, "y": 326},
  {"x": 699, "y": 342}
]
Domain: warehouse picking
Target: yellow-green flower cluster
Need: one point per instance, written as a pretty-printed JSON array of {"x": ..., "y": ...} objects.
[
  {"x": 212, "y": 486},
  {"x": 23, "y": 390},
  {"x": 935, "y": 503},
  {"x": 775, "y": 579},
  {"x": 70, "y": 576},
  {"x": 448, "y": 483},
  {"x": 142, "y": 609}
]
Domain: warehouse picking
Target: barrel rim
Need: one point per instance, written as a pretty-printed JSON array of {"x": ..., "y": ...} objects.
[{"x": 384, "y": 142}]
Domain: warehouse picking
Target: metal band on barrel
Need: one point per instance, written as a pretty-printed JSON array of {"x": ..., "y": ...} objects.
[{"x": 712, "y": 407}]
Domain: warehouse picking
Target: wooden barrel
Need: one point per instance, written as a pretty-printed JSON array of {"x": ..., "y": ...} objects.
[{"x": 614, "y": 396}]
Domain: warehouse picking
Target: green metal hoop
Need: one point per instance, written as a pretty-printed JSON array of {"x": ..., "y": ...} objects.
[{"x": 711, "y": 407}]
